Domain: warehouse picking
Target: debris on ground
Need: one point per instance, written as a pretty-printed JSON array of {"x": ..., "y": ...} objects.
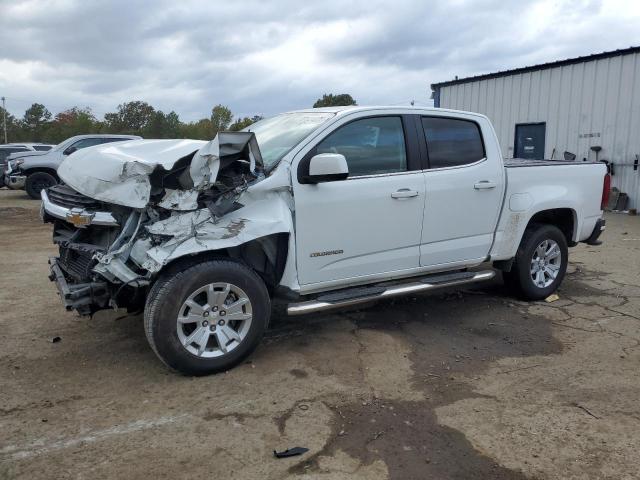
[
  {"x": 585, "y": 409},
  {"x": 290, "y": 452},
  {"x": 552, "y": 298},
  {"x": 55, "y": 339}
]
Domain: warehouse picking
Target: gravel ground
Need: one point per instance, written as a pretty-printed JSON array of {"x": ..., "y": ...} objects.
[{"x": 469, "y": 384}]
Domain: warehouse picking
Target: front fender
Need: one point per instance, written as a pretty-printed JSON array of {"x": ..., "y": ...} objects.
[{"x": 196, "y": 232}]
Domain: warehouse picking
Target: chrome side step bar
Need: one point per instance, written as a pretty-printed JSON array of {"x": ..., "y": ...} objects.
[{"x": 366, "y": 294}]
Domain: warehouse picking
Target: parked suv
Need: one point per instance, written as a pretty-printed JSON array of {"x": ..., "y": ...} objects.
[
  {"x": 34, "y": 171},
  {"x": 15, "y": 148}
]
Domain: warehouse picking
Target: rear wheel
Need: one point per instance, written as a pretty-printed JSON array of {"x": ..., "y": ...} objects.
[
  {"x": 540, "y": 263},
  {"x": 208, "y": 317},
  {"x": 38, "y": 181}
]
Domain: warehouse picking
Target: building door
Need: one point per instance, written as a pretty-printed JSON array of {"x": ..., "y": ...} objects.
[{"x": 530, "y": 141}]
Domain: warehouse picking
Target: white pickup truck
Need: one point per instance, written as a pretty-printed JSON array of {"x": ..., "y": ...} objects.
[{"x": 314, "y": 209}]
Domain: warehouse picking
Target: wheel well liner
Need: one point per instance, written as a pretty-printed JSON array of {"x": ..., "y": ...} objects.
[{"x": 563, "y": 218}]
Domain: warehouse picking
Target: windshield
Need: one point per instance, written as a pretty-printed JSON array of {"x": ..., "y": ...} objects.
[
  {"x": 278, "y": 135},
  {"x": 63, "y": 144}
]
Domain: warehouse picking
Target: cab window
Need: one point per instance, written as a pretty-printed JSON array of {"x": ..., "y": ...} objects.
[
  {"x": 452, "y": 142},
  {"x": 87, "y": 142},
  {"x": 371, "y": 146}
]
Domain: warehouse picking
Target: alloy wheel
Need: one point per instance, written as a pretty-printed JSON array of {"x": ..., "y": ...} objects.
[{"x": 214, "y": 320}]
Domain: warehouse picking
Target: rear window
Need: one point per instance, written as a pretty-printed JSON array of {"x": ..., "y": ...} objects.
[
  {"x": 42, "y": 148},
  {"x": 452, "y": 142}
]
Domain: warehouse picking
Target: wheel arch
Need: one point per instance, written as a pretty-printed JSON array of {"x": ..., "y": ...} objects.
[
  {"x": 564, "y": 219},
  {"x": 50, "y": 171}
]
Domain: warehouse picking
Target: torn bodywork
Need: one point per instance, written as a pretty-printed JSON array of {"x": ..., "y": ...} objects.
[{"x": 128, "y": 210}]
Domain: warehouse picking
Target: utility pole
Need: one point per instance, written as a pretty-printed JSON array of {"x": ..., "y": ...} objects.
[{"x": 4, "y": 119}]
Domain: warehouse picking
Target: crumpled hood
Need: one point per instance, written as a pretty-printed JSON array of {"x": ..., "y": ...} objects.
[{"x": 120, "y": 172}]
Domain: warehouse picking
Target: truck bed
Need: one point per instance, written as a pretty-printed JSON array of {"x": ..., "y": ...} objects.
[
  {"x": 530, "y": 190},
  {"x": 523, "y": 162}
]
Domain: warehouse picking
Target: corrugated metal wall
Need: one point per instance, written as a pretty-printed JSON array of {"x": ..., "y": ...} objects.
[{"x": 583, "y": 104}]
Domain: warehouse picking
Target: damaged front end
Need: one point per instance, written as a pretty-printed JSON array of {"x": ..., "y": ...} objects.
[{"x": 127, "y": 210}]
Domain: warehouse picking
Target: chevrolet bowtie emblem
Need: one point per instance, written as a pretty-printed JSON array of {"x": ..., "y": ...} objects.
[{"x": 79, "y": 218}]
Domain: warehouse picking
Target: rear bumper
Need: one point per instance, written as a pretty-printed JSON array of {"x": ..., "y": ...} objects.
[
  {"x": 597, "y": 231},
  {"x": 85, "y": 298}
]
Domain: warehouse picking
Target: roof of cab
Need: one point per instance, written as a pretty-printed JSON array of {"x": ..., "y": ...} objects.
[{"x": 358, "y": 108}]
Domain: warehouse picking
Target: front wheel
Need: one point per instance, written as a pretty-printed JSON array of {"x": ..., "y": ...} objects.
[
  {"x": 540, "y": 263},
  {"x": 38, "y": 181},
  {"x": 208, "y": 317}
]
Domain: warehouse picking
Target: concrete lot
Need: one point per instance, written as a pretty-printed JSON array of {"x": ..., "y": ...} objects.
[{"x": 470, "y": 384}]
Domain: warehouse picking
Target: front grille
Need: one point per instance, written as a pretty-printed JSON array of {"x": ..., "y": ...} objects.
[
  {"x": 66, "y": 196},
  {"x": 76, "y": 262}
]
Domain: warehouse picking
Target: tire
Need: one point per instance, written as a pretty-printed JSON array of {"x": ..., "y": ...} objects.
[
  {"x": 38, "y": 181},
  {"x": 183, "y": 345},
  {"x": 535, "y": 281}
]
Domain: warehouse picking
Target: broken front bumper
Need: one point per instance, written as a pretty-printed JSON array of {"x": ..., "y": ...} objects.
[
  {"x": 76, "y": 216},
  {"x": 85, "y": 298}
]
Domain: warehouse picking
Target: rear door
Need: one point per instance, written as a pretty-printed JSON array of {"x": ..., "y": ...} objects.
[
  {"x": 464, "y": 188},
  {"x": 371, "y": 222}
]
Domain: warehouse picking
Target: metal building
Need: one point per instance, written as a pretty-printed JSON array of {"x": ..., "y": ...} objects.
[{"x": 586, "y": 106}]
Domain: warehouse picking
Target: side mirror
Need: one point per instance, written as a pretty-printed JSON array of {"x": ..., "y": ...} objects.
[
  {"x": 70, "y": 150},
  {"x": 327, "y": 167}
]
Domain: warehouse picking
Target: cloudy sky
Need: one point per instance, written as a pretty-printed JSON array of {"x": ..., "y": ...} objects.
[{"x": 270, "y": 56}]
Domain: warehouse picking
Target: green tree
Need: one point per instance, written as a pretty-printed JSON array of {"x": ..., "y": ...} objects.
[
  {"x": 162, "y": 125},
  {"x": 131, "y": 118},
  {"x": 14, "y": 130},
  {"x": 200, "y": 130},
  {"x": 331, "y": 100},
  {"x": 241, "y": 123},
  {"x": 221, "y": 117},
  {"x": 74, "y": 121},
  {"x": 35, "y": 121}
]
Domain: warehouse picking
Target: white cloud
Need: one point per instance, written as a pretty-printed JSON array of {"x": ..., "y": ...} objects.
[{"x": 265, "y": 57}]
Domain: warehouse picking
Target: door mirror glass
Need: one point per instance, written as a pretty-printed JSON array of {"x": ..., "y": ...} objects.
[
  {"x": 327, "y": 167},
  {"x": 70, "y": 150}
]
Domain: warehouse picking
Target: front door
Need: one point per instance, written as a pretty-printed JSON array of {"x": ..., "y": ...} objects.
[
  {"x": 530, "y": 141},
  {"x": 371, "y": 222}
]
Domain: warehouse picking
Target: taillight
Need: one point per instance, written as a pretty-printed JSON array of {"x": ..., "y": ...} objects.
[{"x": 606, "y": 188}]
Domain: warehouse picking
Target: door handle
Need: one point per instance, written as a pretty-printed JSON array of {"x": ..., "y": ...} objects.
[
  {"x": 484, "y": 185},
  {"x": 404, "y": 193}
]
